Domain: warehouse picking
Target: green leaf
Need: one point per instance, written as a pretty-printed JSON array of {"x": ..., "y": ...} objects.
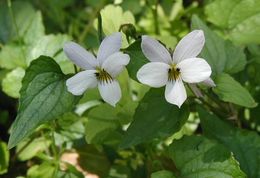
[
  {"x": 12, "y": 83},
  {"x": 44, "y": 97},
  {"x": 154, "y": 118},
  {"x": 222, "y": 55},
  {"x": 239, "y": 17},
  {"x": 163, "y": 174},
  {"x": 4, "y": 155},
  {"x": 196, "y": 156},
  {"x": 230, "y": 90},
  {"x": 245, "y": 145},
  {"x": 137, "y": 58}
]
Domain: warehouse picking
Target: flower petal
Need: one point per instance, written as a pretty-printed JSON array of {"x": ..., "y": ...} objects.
[
  {"x": 115, "y": 63},
  {"x": 80, "y": 56},
  {"x": 194, "y": 70},
  {"x": 80, "y": 82},
  {"x": 110, "y": 92},
  {"x": 189, "y": 46},
  {"x": 109, "y": 45},
  {"x": 154, "y": 74},
  {"x": 155, "y": 51},
  {"x": 175, "y": 92}
]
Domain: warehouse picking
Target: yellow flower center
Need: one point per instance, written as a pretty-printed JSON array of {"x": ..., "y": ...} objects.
[
  {"x": 103, "y": 76},
  {"x": 173, "y": 73}
]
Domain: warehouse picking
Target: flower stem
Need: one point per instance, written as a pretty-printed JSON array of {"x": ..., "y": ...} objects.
[
  {"x": 55, "y": 153},
  {"x": 155, "y": 17},
  {"x": 100, "y": 30}
]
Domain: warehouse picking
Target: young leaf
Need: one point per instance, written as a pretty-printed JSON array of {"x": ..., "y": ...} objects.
[
  {"x": 196, "y": 156},
  {"x": 222, "y": 55},
  {"x": 154, "y": 118},
  {"x": 137, "y": 58},
  {"x": 230, "y": 90},
  {"x": 245, "y": 145},
  {"x": 44, "y": 97}
]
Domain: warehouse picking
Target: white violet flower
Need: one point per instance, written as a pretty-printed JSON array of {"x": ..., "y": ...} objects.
[
  {"x": 100, "y": 71},
  {"x": 172, "y": 70}
]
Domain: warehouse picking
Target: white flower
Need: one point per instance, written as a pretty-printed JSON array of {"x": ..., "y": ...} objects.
[
  {"x": 172, "y": 70},
  {"x": 98, "y": 72}
]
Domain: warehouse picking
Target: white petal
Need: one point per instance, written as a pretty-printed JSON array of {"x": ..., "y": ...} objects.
[
  {"x": 194, "y": 70},
  {"x": 175, "y": 92},
  {"x": 109, "y": 45},
  {"x": 189, "y": 46},
  {"x": 80, "y": 82},
  {"x": 110, "y": 92},
  {"x": 154, "y": 74},
  {"x": 115, "y": 63},
  {"x": 155, "y": 51},
  {"x": 209, "y": 82},
  {"x": 80, "y": 56}
]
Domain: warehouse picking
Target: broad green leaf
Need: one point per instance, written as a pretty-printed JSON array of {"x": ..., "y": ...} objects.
[
  {"x": 239, "y": 17},
  {"x": 230, "y": 90},
  {"x": 222, "y": 55},
  {"x": 137, "y": 58},
  {"x": 32, "y": 148},
  {"x": 163, "y": 174},
  {"x": 12, "y": 83},
  {"x": 154, "y": 118},
  {"x": 245, "y": 145},
  {"x": 196, "y": 156},
  {"x": 4, "y": 155},
  {"x": 44, "y": 97}
]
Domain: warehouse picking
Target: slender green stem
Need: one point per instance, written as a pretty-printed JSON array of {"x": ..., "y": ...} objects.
[
  {"x": 55, "y": 153},
  {"x": 90, "y": 23},
  {"x": 155, "y": 17},
  {"x": 100, "y": 30},
  {"x": 75, "y": 69}
]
